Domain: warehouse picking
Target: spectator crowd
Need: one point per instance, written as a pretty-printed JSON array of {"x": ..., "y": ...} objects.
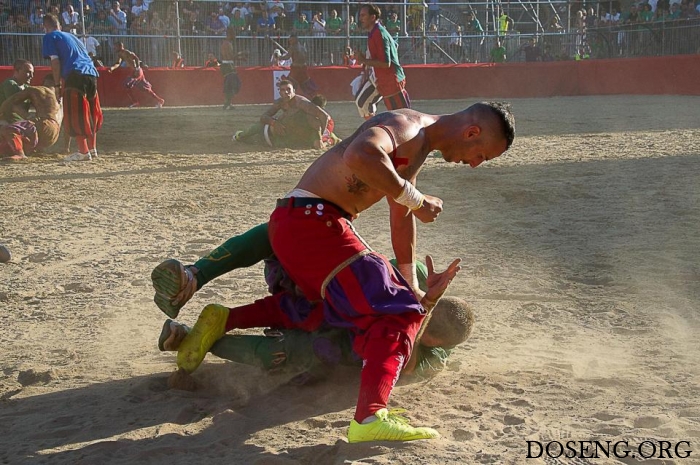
[{"x": 443, "y": 31}]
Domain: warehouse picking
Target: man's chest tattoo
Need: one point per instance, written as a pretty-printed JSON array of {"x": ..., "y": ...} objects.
[{"x": 355, "y": 185}]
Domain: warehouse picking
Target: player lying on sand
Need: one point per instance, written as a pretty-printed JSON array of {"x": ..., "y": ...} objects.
[{"x": 312, "y": 356}]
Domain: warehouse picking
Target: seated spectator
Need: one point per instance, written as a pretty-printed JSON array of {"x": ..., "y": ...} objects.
[
  {"x": 292, "y": 122},
  {"x": 178, "y": 62}
]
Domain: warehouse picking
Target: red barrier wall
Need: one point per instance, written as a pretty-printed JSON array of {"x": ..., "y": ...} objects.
[{"x": 643, "y": 76}]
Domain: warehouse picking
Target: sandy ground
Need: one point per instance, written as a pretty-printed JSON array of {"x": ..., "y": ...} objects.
[{"x": 581, "y": 256}]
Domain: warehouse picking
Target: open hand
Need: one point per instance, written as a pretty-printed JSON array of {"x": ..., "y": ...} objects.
[{"x": 439, "y": 282}]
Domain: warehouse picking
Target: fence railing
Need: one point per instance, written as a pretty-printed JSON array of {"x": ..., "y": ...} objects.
[{"x": 441, "y": 46}]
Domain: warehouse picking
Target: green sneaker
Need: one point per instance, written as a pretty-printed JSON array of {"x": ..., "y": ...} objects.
[
  {"x": 389, "y": 426},
  {"x": 175, "y": 284},
  {"x": 171, "y": 335},
  {"x": 208, "y": 329}
]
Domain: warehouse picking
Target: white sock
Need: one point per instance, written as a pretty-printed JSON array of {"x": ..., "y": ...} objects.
[{"x": 369, "y": 419}]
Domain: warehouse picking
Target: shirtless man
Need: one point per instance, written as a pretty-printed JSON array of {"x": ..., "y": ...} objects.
[
  {"x": 137, "y": 79},
  {"x": 301, "y": 123},
  {"x": 298, "y": 72},
  {"x": 312, "y": 236},
  {"x": 41, "y": 130}
]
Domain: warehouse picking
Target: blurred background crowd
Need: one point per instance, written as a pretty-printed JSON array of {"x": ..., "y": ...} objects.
[{"x": 176, "y": 34}]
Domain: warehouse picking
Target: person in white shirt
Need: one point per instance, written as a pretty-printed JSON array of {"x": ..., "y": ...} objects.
[
  {"x": 91, "y": 44},
  {"x": 138, "y": 8},
  {"x": 71, "y": 19}
]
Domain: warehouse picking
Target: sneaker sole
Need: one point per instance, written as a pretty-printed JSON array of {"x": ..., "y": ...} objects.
[
  {"x": 164, "y": 335},
  {"x": 167, "y": 282},
  {"x": 209, "y": 328}
]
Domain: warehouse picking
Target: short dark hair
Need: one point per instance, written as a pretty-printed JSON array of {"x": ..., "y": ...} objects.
[
  {"x": 372, "y": 9},
  {"x": 284, "y": 82},
  {"x": 505, "y": 115},
  {"x": 451, "y": 322},
  {"x": 320, "y": 100},
  {"x": 18, "y": 64}
]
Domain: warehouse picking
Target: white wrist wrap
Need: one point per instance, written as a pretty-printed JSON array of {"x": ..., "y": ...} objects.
[
  {"x": 410, "y": 196},
  {"x": 408, "y": 271}
]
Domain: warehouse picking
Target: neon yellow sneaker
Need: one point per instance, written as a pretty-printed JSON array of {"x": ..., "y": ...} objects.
[
  {"x": 389, "y": 426},
  {"x": 208, "y": 329}
]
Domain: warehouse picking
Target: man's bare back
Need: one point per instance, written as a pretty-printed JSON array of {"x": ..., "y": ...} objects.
[
  {"x": 43, "y": 99},
  {"x": 332, "y": 179}
]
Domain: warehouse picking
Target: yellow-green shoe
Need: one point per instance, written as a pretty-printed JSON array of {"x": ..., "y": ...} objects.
[
  {"x": 208, "y": 329},
  {"x": 389, "y": 426}
]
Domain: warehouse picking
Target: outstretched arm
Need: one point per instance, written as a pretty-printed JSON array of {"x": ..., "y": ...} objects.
[{"x": 116, "y": 65}]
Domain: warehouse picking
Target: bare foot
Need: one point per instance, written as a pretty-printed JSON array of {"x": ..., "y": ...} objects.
[{"x": 182, "y": 380}]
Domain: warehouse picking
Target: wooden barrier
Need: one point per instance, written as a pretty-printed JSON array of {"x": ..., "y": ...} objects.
[{"x": 641, "y": 76}]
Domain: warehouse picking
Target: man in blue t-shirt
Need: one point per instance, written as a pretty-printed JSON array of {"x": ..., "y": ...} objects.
[{"x": 76, "y": 77}]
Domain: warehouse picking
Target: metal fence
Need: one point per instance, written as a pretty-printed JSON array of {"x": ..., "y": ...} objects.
[{"x": 449, "y": 37}]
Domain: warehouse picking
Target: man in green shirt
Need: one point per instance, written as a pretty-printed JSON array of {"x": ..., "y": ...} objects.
[
  {"x": 393, "y": 25},
  {"x": 334, "y": 28},
  {"x": 21, "y": 78},
  {"x": 302, "y": 25},
  {"x": 498, "y": 53}
]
